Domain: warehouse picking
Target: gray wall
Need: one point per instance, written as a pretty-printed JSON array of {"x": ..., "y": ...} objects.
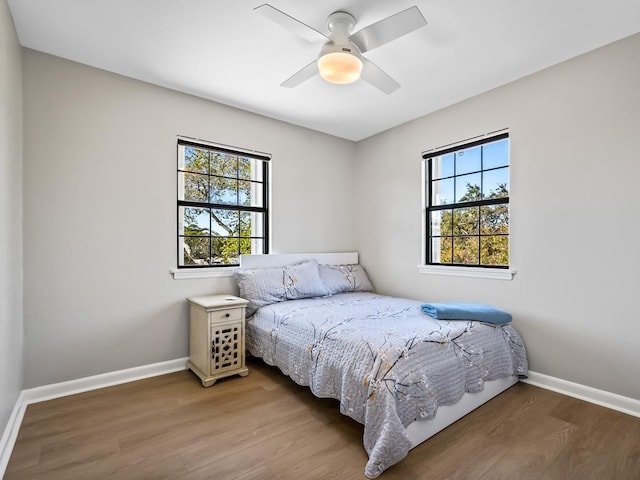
[
  {"x": 10, "y": 216},
  {"x": 100, "y": 212},
  {"x": 575, "y": 173}
]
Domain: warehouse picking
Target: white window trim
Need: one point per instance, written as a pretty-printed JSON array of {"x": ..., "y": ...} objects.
[
  {"x": 213, "y": 272},
  {"x": 472, "y": 272},
  {"x": 190, "y": 273}
]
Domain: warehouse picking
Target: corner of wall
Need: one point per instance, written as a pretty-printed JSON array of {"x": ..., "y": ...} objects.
[{"x": 11, "y": 277}]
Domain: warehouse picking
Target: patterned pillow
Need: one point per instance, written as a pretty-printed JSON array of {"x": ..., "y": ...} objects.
[
  {"x": 264, "y": 286},
  {"x": 345, "y": 278},
  {"x": 303, "y": 281}
]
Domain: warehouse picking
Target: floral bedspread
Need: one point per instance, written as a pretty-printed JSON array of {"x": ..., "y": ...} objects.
[{"x": 387, "y": 362}]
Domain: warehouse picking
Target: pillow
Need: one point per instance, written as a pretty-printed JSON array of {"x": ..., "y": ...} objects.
[
  {"x": 345, "y": 278},
  {"x": 261, "y": 286},
  {"x": 264, "y": 286},
  {"x": 303, "y": 281}
]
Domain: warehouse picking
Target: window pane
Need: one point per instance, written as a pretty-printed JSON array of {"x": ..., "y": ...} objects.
[
  {"x": 224, "y": 164},
  {"x": 441, "y": 250},
  {"x": 442, "y": 166},
  {"x": 495, "y": 183},
  {"x": 495, "y": 154},
  {"x": 195, "y": 250},
  {"x": 468, "y": 160},
  {"x": 466, "y": 220},
  {"x": 246, "y": 221},
  {"x": 494, "y": 219},
  {"x": 193, "y": 187},
  {"x": 441, "y": 222},
  {"x": 495, "y": 250},
  {"x": 251, "y": 245},
  {"x": 224, "y": 191},
  {"x": 442, "y": 192},
  {"x": 251, "y": 224},
  {"x": 193, "y": 159},
  {"x": 249, "y": 169},
  {"x": 249, "y": 193},
  {"x": 226, "y": 251},
  {"x": 195, "y": 221},
  {"x": 468, "y": 188},
  {"x": 225, "y": 223},
  {"x": 465, "y": 250}
]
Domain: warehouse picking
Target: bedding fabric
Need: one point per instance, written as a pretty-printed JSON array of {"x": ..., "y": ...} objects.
[{"x": 385, "y": 361}]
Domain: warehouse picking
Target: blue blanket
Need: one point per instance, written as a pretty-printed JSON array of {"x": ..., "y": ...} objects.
[{"x": 479, "y": 312}]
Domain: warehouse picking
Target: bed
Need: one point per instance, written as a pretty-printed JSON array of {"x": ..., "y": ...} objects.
[{"x": 402, "y": 374}]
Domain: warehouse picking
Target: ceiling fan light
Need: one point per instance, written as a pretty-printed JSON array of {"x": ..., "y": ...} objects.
[{"x": 340, "y": 67}]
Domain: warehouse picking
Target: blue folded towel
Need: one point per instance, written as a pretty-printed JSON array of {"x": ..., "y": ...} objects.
[{"x": 479, "y": 312}]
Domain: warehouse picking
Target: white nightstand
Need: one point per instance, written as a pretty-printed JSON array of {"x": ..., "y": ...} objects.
[{"x": 216, "y": 337}]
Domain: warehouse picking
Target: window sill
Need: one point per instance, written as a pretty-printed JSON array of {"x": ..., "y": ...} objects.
[
  {"x": 473, "y": 272},
  {"x": 190, "y": 273}
]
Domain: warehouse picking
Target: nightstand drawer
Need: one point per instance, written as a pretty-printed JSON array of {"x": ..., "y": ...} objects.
[{"x": 227, "y": 315}]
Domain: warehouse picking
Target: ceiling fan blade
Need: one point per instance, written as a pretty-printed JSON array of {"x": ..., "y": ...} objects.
[
  {"x": 374, "y": 75},
  {"x": 287, "y": 21},
  {"x": 388, "y": 29},
  {"x": 302, "y": 76}
]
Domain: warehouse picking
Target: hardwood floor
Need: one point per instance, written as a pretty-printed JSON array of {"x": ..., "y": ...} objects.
[{"x": 265, "y": 427}]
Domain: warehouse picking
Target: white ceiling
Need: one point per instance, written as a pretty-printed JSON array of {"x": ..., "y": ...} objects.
[{"x": 223, "y": 51}]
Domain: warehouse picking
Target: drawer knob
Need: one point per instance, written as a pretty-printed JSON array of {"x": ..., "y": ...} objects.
[{"x": 227, "y": 315}]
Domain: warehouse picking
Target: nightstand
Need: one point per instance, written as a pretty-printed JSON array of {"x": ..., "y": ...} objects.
[{"x": 216, "y": 337}]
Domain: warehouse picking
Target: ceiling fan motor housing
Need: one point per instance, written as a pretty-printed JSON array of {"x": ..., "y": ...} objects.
[
  {"x": 347, "y": 47},
  {"x": 340, "y": 24},
  {"x": 340, "y": 61}
]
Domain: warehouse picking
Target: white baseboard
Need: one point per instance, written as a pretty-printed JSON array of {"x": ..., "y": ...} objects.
[
  {"x": 56, "y": 390},
  {"x": 603, "y": 398},
  {"x": 11, "y": 433}
]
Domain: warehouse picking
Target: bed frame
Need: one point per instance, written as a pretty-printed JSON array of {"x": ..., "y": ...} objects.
[{"x": 420, "y": 430}]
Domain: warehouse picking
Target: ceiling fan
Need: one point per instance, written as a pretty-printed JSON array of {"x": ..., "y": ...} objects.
[{"x": 340, "y": 60}]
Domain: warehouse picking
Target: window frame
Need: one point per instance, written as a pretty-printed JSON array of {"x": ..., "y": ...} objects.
[
  {"x": 461, "y": 269},
  {"x": 208, "y": 270}
]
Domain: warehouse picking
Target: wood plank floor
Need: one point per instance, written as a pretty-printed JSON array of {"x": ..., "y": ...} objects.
[{"x": 265, "y": 427}]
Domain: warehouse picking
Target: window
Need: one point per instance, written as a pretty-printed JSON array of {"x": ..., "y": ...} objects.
[
  {"x": 222, "y": 205},
  {"x": 467, "y": 204}
]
